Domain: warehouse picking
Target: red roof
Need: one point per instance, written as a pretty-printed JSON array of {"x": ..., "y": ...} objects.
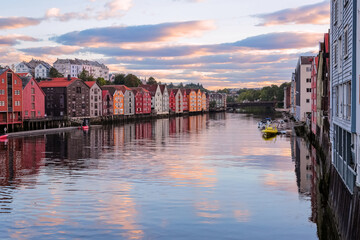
[
  {"x": 139, "y": 89},
  {"x": 57, "y": 82},
  {"x": 112, "y": 88},
  {"x": 104, "y": 93},
  {"x": 162, "y": 88},
  {"x": 150, "y": 88},
  {"x": 90, "y": 83}
]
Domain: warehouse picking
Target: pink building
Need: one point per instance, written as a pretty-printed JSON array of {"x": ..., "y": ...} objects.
[
  {"x": 33, "y": 99},
  {"x": 107, "y": 101}
]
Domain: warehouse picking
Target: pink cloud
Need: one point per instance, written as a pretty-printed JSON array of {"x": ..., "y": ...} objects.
[
  {"x": 318, "y": 13},
  {"x": 18, "y": 22},
  {"x": 11, "y": 40}
]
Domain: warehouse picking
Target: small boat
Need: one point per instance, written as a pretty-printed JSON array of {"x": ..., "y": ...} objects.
[
  {"x": 269, "y": 131},
  {"x": 4, "y": 137}
]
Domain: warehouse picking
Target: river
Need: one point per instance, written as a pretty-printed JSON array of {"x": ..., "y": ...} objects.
[{"x": 197, "y": 177}]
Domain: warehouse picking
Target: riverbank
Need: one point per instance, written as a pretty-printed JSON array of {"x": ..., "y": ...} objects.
[
  {"x": 44, "y": 126},
  {"x": 339, "y": 208}
]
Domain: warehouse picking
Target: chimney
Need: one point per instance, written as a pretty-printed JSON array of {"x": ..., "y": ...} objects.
[{"x": 69, "y": 78}]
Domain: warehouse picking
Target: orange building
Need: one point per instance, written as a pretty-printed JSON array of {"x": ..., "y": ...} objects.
[
  {"x": 118, "y": 99},
  {"x": 191, "y": 95},
  {"x": 198, "y": 100},
  {"x": 203, "y": 102}
]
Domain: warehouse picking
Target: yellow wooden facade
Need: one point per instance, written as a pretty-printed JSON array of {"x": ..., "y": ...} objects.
[
  {"x": 203, "y": 101},
  {"x": 198, "y": 100},
  {"x": 192, "y": 101},
  {"x": 118, "y": 103}
]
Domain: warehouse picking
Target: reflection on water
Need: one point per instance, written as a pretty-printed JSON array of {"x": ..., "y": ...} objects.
[{"x": 198, "y": 177}]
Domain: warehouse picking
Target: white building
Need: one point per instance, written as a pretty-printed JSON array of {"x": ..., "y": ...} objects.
[
  {"x": 95, "y": 99},
  {"x": 75, "y": 67},
  {"x": 302, "y": 79},
  {"x": 344, "y": 74},
  {"x": 37, "y": 68},
  {"x": 165, "y": 99}
]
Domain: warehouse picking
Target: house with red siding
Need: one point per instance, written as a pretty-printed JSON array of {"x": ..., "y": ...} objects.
[
  {"x": 33, "y": 99},
  {"x": 107, "y": 101},
  {"x": 10, "y": 99},
  {"x": 142, "y": 100},
  {"x": 172, "y": 101}
]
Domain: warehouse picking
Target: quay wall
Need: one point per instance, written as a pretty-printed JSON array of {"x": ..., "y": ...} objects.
[{"x": 339, "y": 209}]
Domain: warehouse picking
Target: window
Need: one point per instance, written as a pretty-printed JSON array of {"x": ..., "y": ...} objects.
[
  {"x": 335, "y": 53},
  {"x": 308, "y": 80},
  {"x": 336, "y": 10},
  {"x": 26, "y": 113},
  {"x": 33, "y": 98},
  {"x": 347, "y": 100},
  {"x": 32, "y": 90},
  {"x": 307, "y": 100},
  {"x": 346, "y": 39},
  {"x": 78, "y": 89},
  {"x": 308, "y": 90},
  {"x": 33, "y": 106}
]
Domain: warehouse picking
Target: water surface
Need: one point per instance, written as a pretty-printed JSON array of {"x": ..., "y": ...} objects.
[{"x": 198, "y": 177}]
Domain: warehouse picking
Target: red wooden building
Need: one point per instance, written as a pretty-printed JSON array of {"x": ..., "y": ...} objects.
[
  {"x": 172, "y": 100},
  {"x": 10, "y": 99},
  {"x": 142, "y": 100},
  {"x": 107, "y": 101},
  {"x": 33, "y": 99}
]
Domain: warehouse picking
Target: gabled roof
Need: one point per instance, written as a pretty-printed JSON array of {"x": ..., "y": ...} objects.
[
  {"x": 151, "y": 88},
  {"x": 23, "y": 74},
  {"x": 162, "y": 88},
  {"x": 90, "y": 83},
  {"x": 2, "y": 70},
  {"x": 113, "y": 88},
  {"x": 25, "y": 81},
  {"x": 105, "y": 92},
  {"x": 57, "y": 82},
  {"x": 188, "y": 91},
  {"x": 139, "y": 89}
]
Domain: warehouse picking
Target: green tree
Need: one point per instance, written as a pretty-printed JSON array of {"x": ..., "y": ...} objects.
[
  {"x": 132, "y": 81},
  {"x": 151, "y": 81},
  {"x": 102, "y": 81},
  {"x": 119, "y": 79},
  {"x": 54, "y": 73},
  {"x": 85, "y": 76}
]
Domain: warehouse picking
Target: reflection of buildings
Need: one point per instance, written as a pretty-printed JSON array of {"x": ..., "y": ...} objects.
[
  {"x": 303, "y": 167},
  {"x": 19, "y": 157}
]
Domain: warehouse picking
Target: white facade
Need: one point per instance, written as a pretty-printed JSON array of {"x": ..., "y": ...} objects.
[
  {"x": 157, "y": 100},
  {"x": 95, "y": 101},
  {"x": 165, "y": 99},
  {"x": 303, "y": 88},
  {"x": 42, "y": 70},
  {"x": 75, "y": 67},
  {"x": 344, "y": 100},
  {"x": 22, "y": 68}
]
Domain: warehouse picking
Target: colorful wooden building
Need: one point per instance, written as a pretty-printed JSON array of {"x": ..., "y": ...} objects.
[
  {"x": 10, "y": 99},
  {"x": 95, "y": 99},
  {"x": 198, "y": 100},
  {"x": 142, "y": 100},
  {"x": 203, "y": 102},
  {"x": 33, "y": 99},
  {"x": 192, "y": 100},
  {"x": 117, "y": 98},
  {"x": 185, "y": 100},
  {"x": 107, "y": 103}
]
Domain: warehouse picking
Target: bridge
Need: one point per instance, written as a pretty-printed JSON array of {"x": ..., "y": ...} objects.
[{"x": 235, "y": 105}]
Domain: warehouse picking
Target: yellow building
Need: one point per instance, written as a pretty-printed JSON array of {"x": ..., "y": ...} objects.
[
  {"x": 198, "y": 100},
  {"x": 191, "y": 95},
  {"x": 203, "y": 101}
]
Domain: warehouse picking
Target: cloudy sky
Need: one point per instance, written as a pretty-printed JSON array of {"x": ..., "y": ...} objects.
[{"x": 219, "y": 43}]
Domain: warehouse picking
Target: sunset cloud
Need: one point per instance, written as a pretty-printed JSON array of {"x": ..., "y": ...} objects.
[
  {"x": 115, "y": 8},
  {"x": 58, "y": 50},
  {"x": 11, "y": 40},
  {"x": 55, "y": 14},
  {"x": 143, "y": 33},
  {"x": 18, "y": 22},
  {"x": 318, "y": 13}
]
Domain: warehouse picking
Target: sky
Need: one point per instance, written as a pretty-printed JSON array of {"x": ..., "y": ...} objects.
[{"x": 218, "y": 43}]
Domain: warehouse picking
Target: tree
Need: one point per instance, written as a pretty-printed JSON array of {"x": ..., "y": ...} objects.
[
  {"x": 54, "y": 73},
  {"x": 151, "y": 81},
  {"x": 212, "y": 104},
  {"x": 171, "y": 85},
  {"x": 101, "y": 81},
  {"x": 85, "y": 76},
  {"x": 119, "y": 79},
  {"x": 132, "y": 80}
]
